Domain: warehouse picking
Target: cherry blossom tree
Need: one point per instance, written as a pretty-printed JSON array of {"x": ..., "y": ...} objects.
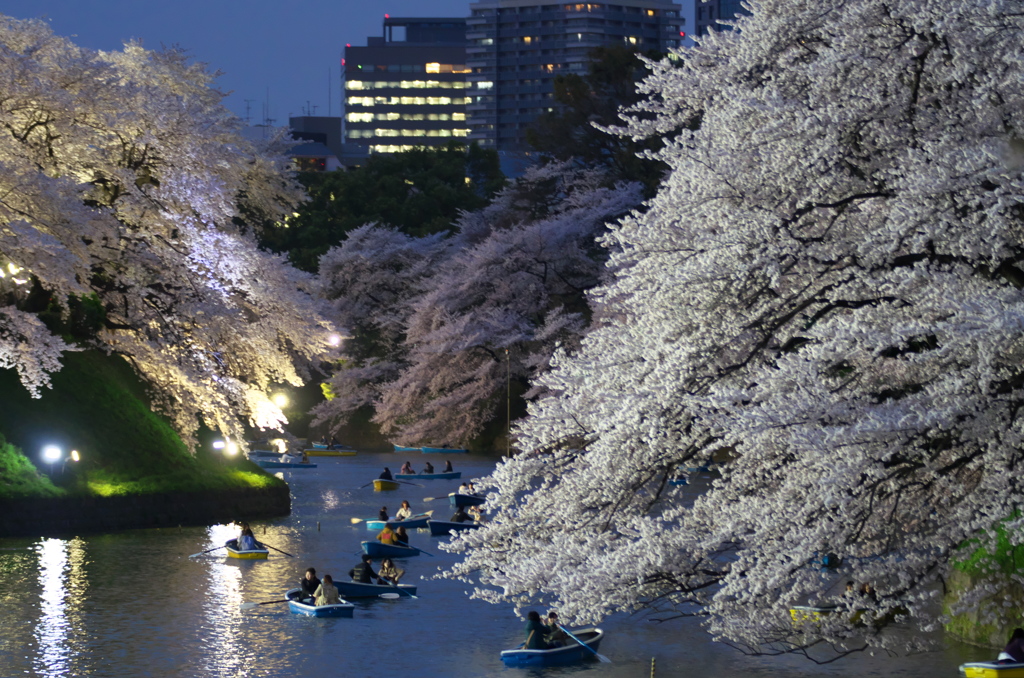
[
  {"x": 825, "y": 296},
  {"x": 443, "y": 325},
  {"x": 124, "y": 179}
]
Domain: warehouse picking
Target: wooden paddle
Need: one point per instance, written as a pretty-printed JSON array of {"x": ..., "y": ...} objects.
[
  {"x": 400, "y": 590},
  {"x": 249, "y": 606},
  {"x": 600, "y": 657},
  {"x": 207, "y": 551},
  {"x": 277, "y": 549}
]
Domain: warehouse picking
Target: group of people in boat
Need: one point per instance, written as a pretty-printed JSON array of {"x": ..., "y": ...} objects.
[
  {"x": 395, "y": 535},
  {"x": 544, "y": 634},
  {"x": 364, "y": 572},
  {"x": 471, "y": 514},
  {"x": 332, "y": 444},
  {"x": 428, "y": 468},
  {"x": 317, "y": 591},
  {"x": 865, "y": 590}
]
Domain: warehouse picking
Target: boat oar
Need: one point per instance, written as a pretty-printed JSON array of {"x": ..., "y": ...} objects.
[
  {"x": 400, "y": 590},
  {"x": 362, "y": 486},
  {"x": 356, "y": 521},
  {"x": 600, "y": 657},
  {"x": 277, "y": 549},
  {"x": 424, "y": 552},
  {"x": 207, "y": 551},
  {"x": 249, "y": 606},
  {"x": 407, "y": 483}
]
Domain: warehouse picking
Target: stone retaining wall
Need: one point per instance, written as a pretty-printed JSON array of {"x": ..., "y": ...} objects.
[{"x": 77, "y": 515}]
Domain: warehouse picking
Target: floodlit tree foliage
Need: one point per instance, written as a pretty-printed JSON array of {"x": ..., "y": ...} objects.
[
  {"x": 441, "y": 327},
  {"x": 826, "y": 297},
  {"x": 123, "y": 183}
]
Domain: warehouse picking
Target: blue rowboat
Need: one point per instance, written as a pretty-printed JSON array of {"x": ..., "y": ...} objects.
[
  {"x": 399, "y": 448},
  {"x": 456, "y": 499},
  {"x": 354, "y": 589},
  {"x": 573, "y": 653},
  {"x": 270, "y": 463},
  {"x": 446, "y": 527},
  {"x": 411, "y": 523},
  {"x": 375, "y": 549},
  {"x": 298, "y": 605},
  {"x": 264, "y": 453},
  {"x": 442, "y": 450},
  {"x": 451, "y": 475}
]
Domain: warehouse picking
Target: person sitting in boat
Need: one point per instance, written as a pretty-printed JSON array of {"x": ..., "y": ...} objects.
[
  {"x": 401, "y": 536},
  {"x": 247, "y": 540},
  {"x": 309, "y": 584},
  {"x": 334, "y": 444},
  {"x": 386, "y": 536},
  {"x": 1014, "y": 650},
  {"x": 405, "y": 512},
  {"x": 323, "y": 440},
  {"x": 460, "y": 516},
  {"x": 472, "y": 489},
  {"x": 363, "y": 572},
  {"x": 382, "y": 514},
  {"x": 389, "y": 573},
  {"x": 556, "y": 636},
  {"x": 386, "y": 474},
  {"x": 447, "y": 466},
  {"x": 475, "y": 514},
  {"x": 327, "y": 592},
  {"x": 406, "y": 469},
  {"x": 535, "y": 632},
  {"x": 463, "y": 488},
  {"x": 428, "y": 467}
]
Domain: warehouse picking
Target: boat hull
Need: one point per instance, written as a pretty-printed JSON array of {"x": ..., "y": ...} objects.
[
  {"x": 268, "y": 463},
  {"x": 375, "y": 549},
  {"x": 354, "y": 589},
  {"x": 399, "y": 448},
  {"x": 297, "y": 606},
  {"x": 251, "y": 554},
  {"x": 559, "y": 656},
  {"x": 446, "y": 527},
  {"x": 992, "y": 670},
  {"x": 451, "y": 475},
  {"x": 381, "y": 485},
  {"x": 413, "y": 523},
  {"x": 443, "y": 450},
  {"x": 323, "y": 446},
  {"x": 330, "y": 453},
  {"x": 457, "y": 500}
]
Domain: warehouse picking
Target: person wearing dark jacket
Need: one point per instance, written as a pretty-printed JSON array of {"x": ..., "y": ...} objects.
[
  {"x": 383, "y": 513},
  {"x": 535, "y": 632},
  {"x": 460, "y": 516},
  {"x": 1015, "y": 648},
  {"x": 386, "y": 474},
  {"x": 363, "y": 572},
  {"x": 401, "y": 536},
  {"x": 309, "y": 583}
]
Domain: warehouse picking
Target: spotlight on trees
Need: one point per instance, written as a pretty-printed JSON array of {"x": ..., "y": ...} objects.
[
  {"x": 280, "y": 399},
  {"x": 218, "y": 444},
  {"x": 52, "y": 453}
]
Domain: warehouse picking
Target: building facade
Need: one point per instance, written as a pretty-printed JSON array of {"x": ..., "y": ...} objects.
[
  {"x": 709, "y": 13},
  {"x": 408, "y": 88},
  {"x": 516, "y": 49}
]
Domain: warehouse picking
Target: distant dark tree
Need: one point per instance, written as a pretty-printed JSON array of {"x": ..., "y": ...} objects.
[
  {"x": 419, "y": 192},
  {"x": 569, "y": 132}
]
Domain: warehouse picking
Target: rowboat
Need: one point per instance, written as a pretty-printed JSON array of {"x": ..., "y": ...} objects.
[
  {"x": 264, "y": 453},
  {"x": 572, "y": 653},
  {"x": 271, "y": 463},
  {"x": 250, "y": 554},
  {"x": 299, "y": 605},
  {"x": 445, "y": 527},
  {"x": 354, "y": 589},
  {"x": 456, "y": 499},
  {"x": 992, "y": 670},
  {"x": 451, "y": 475},
  {"x": 411, "y": 523},
  {"x": 399, "y": 448},
  {"x": 443, "y": 450},
  {"x": 375, "y": 549},
  {"x": 381, "y": 485},
  {"x": 317, "y": 452},
  {"x": 325, "y": 446}
]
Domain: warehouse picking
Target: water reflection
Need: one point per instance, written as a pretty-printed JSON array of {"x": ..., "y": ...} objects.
[{"x": 62, "y": 583}]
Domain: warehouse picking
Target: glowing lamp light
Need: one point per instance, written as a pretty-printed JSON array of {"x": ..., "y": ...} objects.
[
  {"x": 231, "y": 449},
  {"x": 52, "y": 453},
  {"x": 387, "y": 16},
  {"x": 334, "y": 340},
  {"x": 218, "y": 444},
  {"x": 75, "y": 456},
  {"x": 280, "y": 399}
]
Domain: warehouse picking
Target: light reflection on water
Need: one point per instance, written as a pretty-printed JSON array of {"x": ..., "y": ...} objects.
[{"x": 135, "y": 604}]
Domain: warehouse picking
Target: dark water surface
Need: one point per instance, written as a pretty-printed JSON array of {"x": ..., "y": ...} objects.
[{"x": 134, "y": 604}]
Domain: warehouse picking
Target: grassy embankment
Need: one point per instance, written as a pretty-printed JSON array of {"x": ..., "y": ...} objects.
[{"x": 98, "y": 406}]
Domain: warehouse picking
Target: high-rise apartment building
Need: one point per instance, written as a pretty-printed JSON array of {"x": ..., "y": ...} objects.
[
  {"x": 708, "y": 14},
  {"x": 516, "y": 48},
  {"x": 408, "y": 88}
]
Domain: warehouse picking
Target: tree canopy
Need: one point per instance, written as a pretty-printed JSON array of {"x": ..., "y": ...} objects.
[
  {"x": 825, "y": 295},
  {"x": 121, "y": 199}
]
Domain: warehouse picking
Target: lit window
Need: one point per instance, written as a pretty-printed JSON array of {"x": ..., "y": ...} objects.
[
  {"x": 359, "y": 117},
  {"x": 433, "y": 68},
  {"x": 458, "y": 116},
  {"x": 354, "y": 84},
  {"x": 460, "y": 132}
]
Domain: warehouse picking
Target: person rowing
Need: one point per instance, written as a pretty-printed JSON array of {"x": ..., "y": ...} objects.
[
  {"x": 389, "y": 573},
  {"x": 407, "y": 469},
  {"x": 428, "y": 467},
  {"x": 363, "y": 572},
  {"x": 386, "y": 536},
  {"x": 535, "y": 632},
  {"x": 386, "y": 474},
  {"x": 401, "y": 536}
]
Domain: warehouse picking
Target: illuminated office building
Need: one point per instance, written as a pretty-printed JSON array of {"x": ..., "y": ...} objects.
[
  {"x": 516, "y": 49},
  {"x": 408, "y": 88}
]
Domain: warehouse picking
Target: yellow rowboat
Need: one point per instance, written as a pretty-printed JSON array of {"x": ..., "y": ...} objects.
[
  {"x": 251, "y": 554},
  {"x": 381, "y": 485},
  {"x": 330, "y": 453},
  {"x": 992, "y": 670}
]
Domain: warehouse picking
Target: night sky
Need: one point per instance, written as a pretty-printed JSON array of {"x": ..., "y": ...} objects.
[{"x": 291, "y": 48}]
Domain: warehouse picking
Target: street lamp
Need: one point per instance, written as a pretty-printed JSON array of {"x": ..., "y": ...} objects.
[
  {"x": 281, "y": 400},
  {"x": 52, "y": 454}
]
